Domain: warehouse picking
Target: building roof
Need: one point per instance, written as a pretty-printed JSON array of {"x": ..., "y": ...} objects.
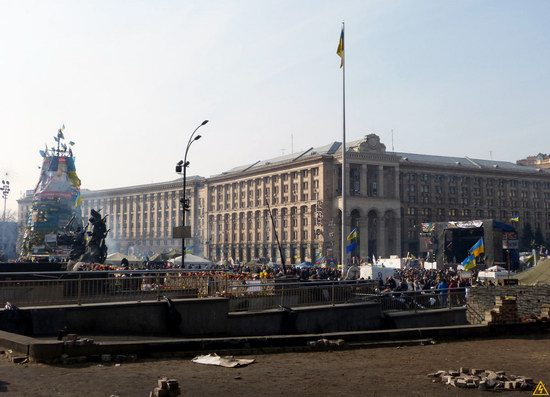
[
  {"x": 466, "y": 162},
  {"x": 412, "y": 158},
  {"x": 329, "y": 149}
]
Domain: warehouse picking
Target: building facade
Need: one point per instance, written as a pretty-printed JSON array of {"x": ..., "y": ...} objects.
[
  {"x": 141, "y": 218},
  {"x": 296, "y": 199}
]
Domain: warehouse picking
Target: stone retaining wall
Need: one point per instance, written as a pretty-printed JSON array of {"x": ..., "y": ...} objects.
[{"x": 529, "y": 299}]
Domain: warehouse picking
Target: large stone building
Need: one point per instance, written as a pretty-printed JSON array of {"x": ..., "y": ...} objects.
[{"x": 296, "y": 198}]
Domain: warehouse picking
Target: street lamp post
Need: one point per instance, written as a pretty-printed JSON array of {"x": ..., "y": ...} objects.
[
  {"x": 184, "y": 200},
  {"x": 5, "y": 192}
]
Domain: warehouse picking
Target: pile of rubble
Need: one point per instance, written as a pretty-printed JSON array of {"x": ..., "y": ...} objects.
[
  {"x": 14, "y": 357},
  {"x": 74, "y": 340},
  {"x": 543, "y": 317},
  {"x": 483, "y": 380},
  {"x": 326, "y": 343},
  {"x": 166, "y": 388}
]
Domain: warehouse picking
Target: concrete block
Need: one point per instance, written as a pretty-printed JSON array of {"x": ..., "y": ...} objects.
[
  {"x": 163, "y": 383},
  {"x": 158, "y": 392},
  {"x": 173, "y": 384}
]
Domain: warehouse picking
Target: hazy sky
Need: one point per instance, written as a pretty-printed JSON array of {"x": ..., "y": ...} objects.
[{"x": 132, "y": 79}]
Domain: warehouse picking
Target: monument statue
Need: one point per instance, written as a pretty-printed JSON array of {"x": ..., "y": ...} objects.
[{"x": 96, "y": 249}]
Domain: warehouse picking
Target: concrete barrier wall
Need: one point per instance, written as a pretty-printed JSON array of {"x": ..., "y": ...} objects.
[
  {"x": 198, "y": 317},
  {"x": 319, "y": 319},
  {"x": 201, "y": 317},
  {"x": 428, "y": 318},
  {"x": 210, "y": 317}
]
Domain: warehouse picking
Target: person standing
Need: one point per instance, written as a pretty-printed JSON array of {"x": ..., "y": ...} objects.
[{"x": 443, "y": 289}]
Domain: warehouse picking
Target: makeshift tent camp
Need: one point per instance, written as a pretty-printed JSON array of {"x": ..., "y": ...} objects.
[
  {"x": 164, "y": 256},
  {"x": 539, "y": 274},
  {"x": 194, "y": 261},
  {"x": 116, "y": 257}
]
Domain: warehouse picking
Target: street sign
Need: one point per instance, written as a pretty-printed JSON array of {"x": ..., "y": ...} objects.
[{"x": 181, "y": 232}]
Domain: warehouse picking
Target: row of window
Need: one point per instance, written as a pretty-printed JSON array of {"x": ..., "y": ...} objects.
[{"x": 464, "y": 179}]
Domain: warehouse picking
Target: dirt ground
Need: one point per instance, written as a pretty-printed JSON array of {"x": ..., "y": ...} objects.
[{"x": 387, "y": 371}]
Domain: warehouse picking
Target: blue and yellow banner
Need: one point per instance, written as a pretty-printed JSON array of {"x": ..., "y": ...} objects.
[{"x": 477, "y": 249}]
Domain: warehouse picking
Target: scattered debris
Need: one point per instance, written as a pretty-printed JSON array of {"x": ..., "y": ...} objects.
[
  {"x": 326, "y": 343},
  {"x": 71, "y": 340},
  {"x": 543, "y": 317},
  {"x": 225, "y": 361},
  {"x": 482, "y": 379},
  {"x": 166, "y": 388},
  {"x": 16, "y": 359}
]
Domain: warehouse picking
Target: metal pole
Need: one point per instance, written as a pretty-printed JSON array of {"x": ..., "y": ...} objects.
[
  {"x": 184, "y": 205},
  {"x": 5, "y": 192},
  {"x": 344, "y": 235},
  {"x": 276, "y": 236},
  {"x": 184, "y": 198}
]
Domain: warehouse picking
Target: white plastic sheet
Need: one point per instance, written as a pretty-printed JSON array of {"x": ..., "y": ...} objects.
[{"x": 222, "y": 361}]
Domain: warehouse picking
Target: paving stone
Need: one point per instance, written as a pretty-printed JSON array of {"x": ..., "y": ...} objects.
[
  {"x": 461, "y": 383},
  {"x": 446, "y": 378},
  {"x": 509, "y": 385}
]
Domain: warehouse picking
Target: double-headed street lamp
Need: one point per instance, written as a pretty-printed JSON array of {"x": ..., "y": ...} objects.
[
  {"x": 5, "y": 192},
  {"x": 184, "y": 200}
]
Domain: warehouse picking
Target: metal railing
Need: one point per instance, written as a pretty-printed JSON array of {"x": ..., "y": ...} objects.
[
  {"x": 65, "y": 288},
  {"x": 422, "y": 300},
  {"x": 263, "y": 295}
]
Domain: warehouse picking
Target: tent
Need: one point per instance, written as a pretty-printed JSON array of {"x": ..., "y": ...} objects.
[
  {"x": 116, "y": 257},
  {"x": 305, "y": 265},
  {"x": 195, "y": 261},
  {"x": 495, "y": 273},
  {"x": 539, "y": 274},
  {"x": 496, "y": 268}
]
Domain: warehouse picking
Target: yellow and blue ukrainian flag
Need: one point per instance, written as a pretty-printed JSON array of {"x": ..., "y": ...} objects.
[
  {"x": 469, "y": 262},
  {"x": 477, "y": 249},
  {"x": 352, "y": 238},
  {"x": 340, "y": 49}
]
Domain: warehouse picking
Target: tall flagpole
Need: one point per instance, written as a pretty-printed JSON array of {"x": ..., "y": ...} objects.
[{"x": 342, "y": 53}]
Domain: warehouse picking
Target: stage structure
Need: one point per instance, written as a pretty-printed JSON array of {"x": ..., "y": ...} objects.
[{"x": 448, "y": 242}]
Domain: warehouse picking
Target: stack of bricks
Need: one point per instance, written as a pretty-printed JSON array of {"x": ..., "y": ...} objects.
[
  {"x": 545, "y": 312},
  {"x": 166, "y": 388},
  {"x": 504, "y": 312}
]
